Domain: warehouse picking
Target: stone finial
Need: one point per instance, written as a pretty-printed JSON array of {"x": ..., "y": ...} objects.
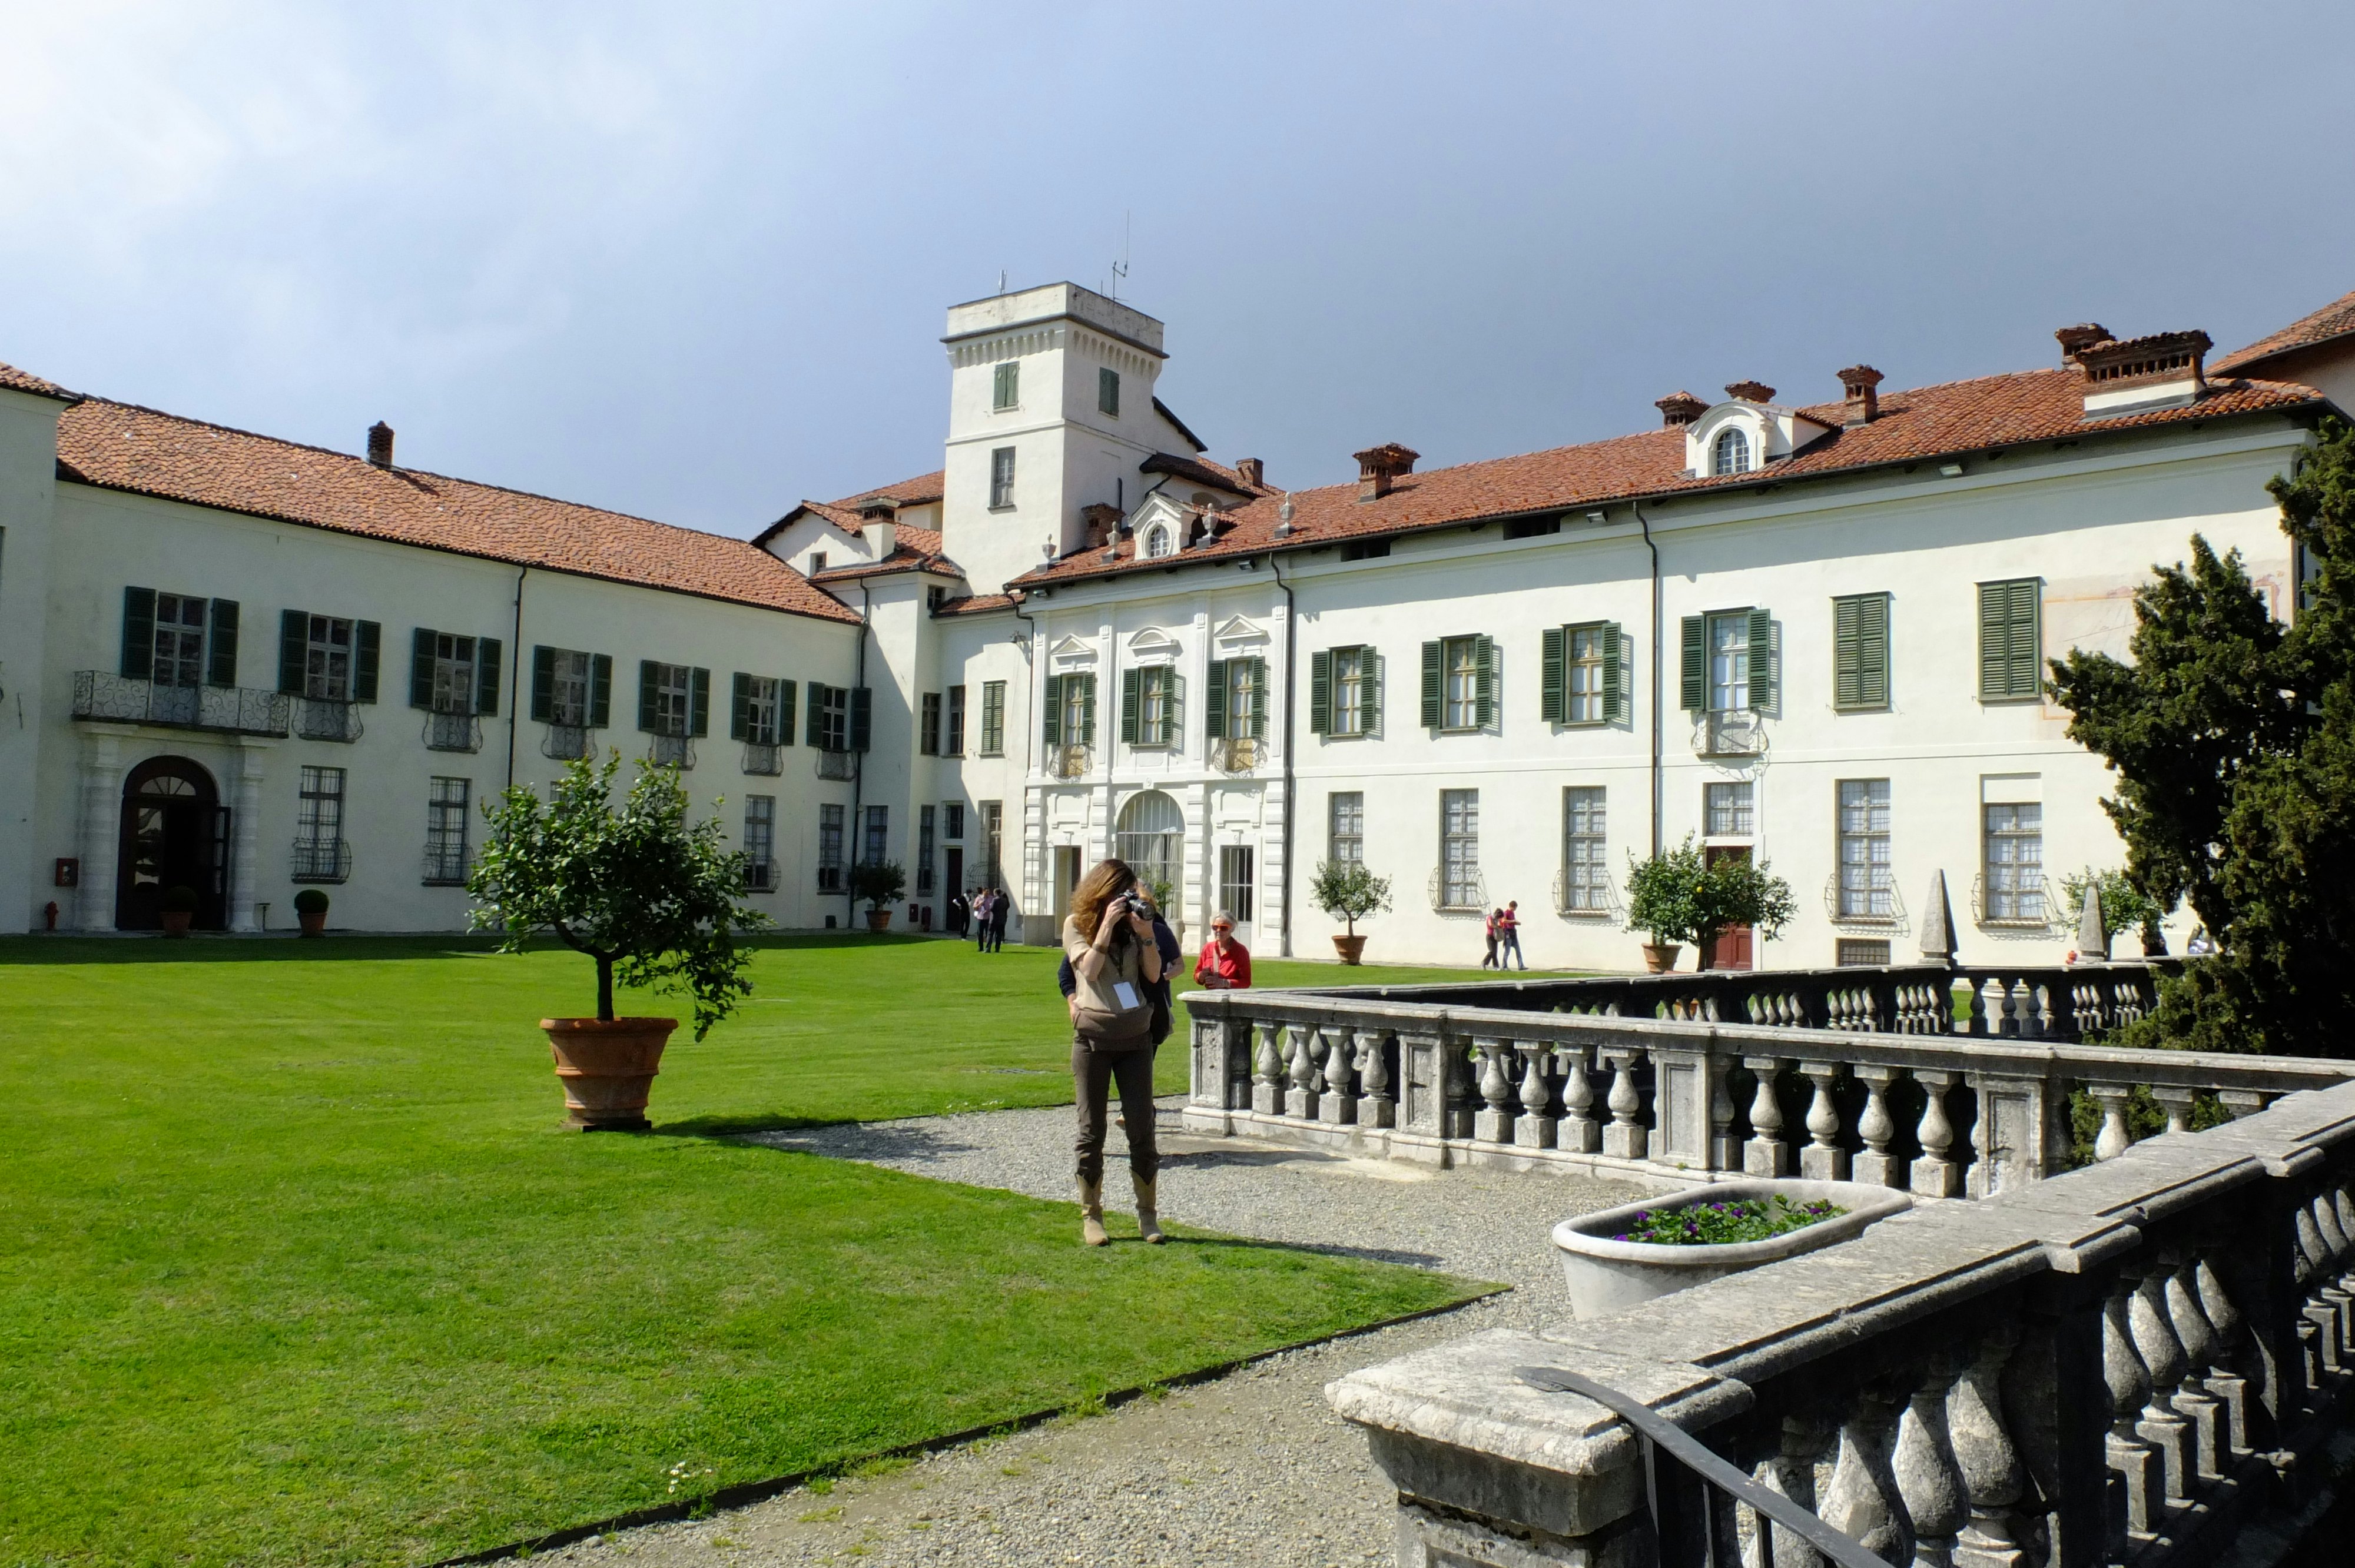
[
  {"x": 2092, "y": 936},
  {"x": 1938, "y": 924}
]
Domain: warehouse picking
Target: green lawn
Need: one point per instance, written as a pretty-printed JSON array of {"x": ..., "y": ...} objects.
[{"x": 302, "y": 1267}]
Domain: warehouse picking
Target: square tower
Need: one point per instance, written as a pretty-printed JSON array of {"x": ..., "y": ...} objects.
[{"x": 1050, "y": 411}]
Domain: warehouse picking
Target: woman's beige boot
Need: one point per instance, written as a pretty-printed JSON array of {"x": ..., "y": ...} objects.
[
  {"x": 1148, "y": 1221},
  {"x": 1092, "y": 1229}
]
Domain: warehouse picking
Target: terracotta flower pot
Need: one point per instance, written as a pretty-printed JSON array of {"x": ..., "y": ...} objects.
[
  {"x": 879, "y": 920},
  {"x": 1659, "y": 957},
  {"x": 176, "y": 921},
  {"x": 607, "y": 1068},
  {"x": 1352, "y": 949},
  {"x": 315, "y": 924}
]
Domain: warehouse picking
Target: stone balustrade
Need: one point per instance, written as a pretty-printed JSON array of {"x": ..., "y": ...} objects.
[
  {"x": 1848, "y": 1074},
  {"x": 2148, "y": 1361}
]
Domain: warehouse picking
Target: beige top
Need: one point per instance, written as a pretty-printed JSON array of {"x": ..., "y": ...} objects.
[{"x": 1123, "y": 962}]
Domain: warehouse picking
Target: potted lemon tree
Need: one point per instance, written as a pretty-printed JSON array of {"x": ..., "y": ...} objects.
[
  {"x": 880, "y": 882},
  {"x": 652, "y": 898},
  {"x": 1347, "y": 892}
]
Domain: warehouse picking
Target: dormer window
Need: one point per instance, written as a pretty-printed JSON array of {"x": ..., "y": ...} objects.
[
  {"x": 1156, "y": 542},
  {"x": 1731, "y": 452}
]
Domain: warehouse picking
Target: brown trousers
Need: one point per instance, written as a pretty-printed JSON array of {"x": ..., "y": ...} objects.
[{"x": 1093, "y": 1072}]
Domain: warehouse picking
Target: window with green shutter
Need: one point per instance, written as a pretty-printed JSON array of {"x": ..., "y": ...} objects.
[
  {"x": 220, "y": 652},
  {"x": 1051, "y": 718},
  {"x": 601, "y": 690},
  {"x": 1860, "y": 652},
  {"x": 2011, "y": 641},
  {"x": 1342, "y": 700},
  {"x": 138, "y": 633},
  {"x": 699, "y": 702},
  {"x": 1148, "y": 706},
  {"x": 1459, "y": 684},
  {"x": 1320, "y": 693},
  {"x": 1005, "y": 385},
  {"x": 1214, "y": 700},
  {"x": 1728, "y": 663},
  {"x": 1583, "y": 674},
  {"x": 1108, "y": 391},
  {"x": 862, "y": 717},
  {"x": 1132, "y": 697},
  {"x": 1433, "y": 653}
]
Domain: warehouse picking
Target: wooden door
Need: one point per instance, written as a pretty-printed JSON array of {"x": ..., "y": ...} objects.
[{"x": 1729, "y": 948}]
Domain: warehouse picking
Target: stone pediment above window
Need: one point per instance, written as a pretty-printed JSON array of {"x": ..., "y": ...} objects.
[
  {"x": 1072, "y": 653},
  {"x": 1152, "y": 646},
  {"x": 1745, "y": 434},
  {"x": 1239, "y": 636}
]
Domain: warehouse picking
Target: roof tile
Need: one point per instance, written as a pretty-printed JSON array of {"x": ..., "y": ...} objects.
[{"x": 2336, "y": 319}]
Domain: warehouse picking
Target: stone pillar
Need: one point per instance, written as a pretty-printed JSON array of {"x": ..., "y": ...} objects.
[
  {"x": 244, "y": 835},
  {"x": 101, "y": 828}
]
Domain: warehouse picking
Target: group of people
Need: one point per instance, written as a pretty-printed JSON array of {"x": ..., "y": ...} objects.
[
  {"x": 980, "y": 915},
  {"x": 1118, "y": 956},
  {"x": 1504, "y": 937}
]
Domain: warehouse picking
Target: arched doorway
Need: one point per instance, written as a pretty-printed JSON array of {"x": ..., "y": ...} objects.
[
  {"x": 174, "y": 833},
  {"x": 1151, "y": 836}
]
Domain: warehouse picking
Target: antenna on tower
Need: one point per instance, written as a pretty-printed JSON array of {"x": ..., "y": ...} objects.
[
  {"x": 1120, "y": 268},
  {"x": 1001, "y": 279}
]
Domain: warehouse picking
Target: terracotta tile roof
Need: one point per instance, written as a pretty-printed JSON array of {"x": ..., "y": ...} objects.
[
  {"x": 16, "y": 380},
  {"x": 916, "y": 492},
  {"x": 2336, "y": 319},
  {"x": 1202, "y": 471},
  {"x": 118, "y": 446},
  {"x": 978, "y": 604},
  {"x": 1956, "y": 417}
]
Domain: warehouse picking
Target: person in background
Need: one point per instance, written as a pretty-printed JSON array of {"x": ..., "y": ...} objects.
[
  {"x": 954, "y": 915},
  {"x": 1001, "y": 904},
  {"x": 1225, "y": 963},
  {"x": 1115, "y": 959},
  {"x": 1491, "y": 929},
  {"x": 981, "y": 920},
  {"x": 1508, "y": 935}
]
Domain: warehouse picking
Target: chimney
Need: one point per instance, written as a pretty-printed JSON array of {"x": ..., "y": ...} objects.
[
  {"x": 1378, "y": 466},
  {"x": 2161, "y": 370},
  {"x": 2075, "y": 340},
  {"x": 1251, "y": 469},
  {"x": 1858, "y": 382},
  {"x": 878, "y": 525},
  {"x": 1750, "y": 391},
  {"x": 381, "y": 444},
  {"x": 1681, "y": 409},
  {"x": 1103, "y": 523}
]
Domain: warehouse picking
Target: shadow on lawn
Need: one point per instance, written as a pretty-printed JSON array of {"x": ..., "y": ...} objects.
[
  {"x": 868, "y": 1141},
  {"x": 285, "y": 946}
]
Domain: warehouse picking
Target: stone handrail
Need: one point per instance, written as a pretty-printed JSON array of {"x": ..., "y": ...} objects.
[
  {"x": 1682, "y": 1099},
  {"x": 2147, "y": 1360}
]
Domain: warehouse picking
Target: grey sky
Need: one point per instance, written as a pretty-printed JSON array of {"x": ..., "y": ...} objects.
[{"x": 690, "y": 261}]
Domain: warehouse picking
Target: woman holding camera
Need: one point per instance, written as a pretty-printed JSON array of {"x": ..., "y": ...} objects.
[{"x": 1109, "y": 939}]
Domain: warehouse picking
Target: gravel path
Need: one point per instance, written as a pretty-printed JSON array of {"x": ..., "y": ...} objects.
[{"x": 1252, "y": 1468}]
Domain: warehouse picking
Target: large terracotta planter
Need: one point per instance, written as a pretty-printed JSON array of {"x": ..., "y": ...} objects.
[
  {"x": 607, "y": 1069},
  {"x": 1605, "y": 1275},
  {"x": 1659, "y": 957},
  {"x": 1352, "y": 949},
  {"x": 314, "y": 923},
  {"x": 879, "y": 920},
  {"x": 176, "y": 921}
]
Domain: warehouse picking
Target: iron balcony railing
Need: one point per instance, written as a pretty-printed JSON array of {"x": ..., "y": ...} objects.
[
  {"x": 452, "y": 732},
  {"x": 671, "y": 751},
  {"x": 829, "y": 879},
  {"x": 764, "y": 757},
  {"x": 1735, "y": 732},
  {"x": 565, "y": 742},
  {"x": 760, "y": 876},
  {"x": 836, "y": 765},
  {"x": 233, "y": 709},
  {"x": 324, "y": 718},
  {"x": 445, "y": 865},
  {"x": 1235, "y": 755},
  {"x": 322, "y": 859}
]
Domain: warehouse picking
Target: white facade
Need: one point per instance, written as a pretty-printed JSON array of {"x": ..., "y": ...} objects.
[{"x": 1218, "y": 639}]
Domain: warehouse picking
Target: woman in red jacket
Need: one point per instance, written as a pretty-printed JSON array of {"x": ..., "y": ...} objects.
[{"x": 1225, "y": 963}]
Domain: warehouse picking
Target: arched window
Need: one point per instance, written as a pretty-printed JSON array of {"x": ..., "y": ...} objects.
[
  {"x": 1732, "y": 453},
  {"x": 1150, "y": 837},
  {"x": 1156, "y": 542}
]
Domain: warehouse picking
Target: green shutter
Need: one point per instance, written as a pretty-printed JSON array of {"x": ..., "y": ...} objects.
[
  {"x": 1051, "y": 727},
  {"x": 1320, "y": 693},
  {"x": 1484, "y": 683},
  {"x": 1214, "y": 701},
  {"x": 220, "y": 648},
  {"x": 2009, "y": 651},
  {"x": 1170, "y": 689},
  {"x": 421, "y": 668},
  {"x": 2027, "y": 670},
  {"x": 1761, "y": 660},
  {"x": 138, "y": 634},
  {"x": 543, "y": 684},
  {"x": 1131, "y": 695},
  {"x": 740, "y": 706},
  {"x": 367, "y": 640},
  {"x": 601, "y": 690},
  {"x": 1847, "y": 654},
  {"x": 1995, "y": 639},
  {"x": 698, "y": 703},
  {"x": 487, "y": 675},
  {"x": 784, "y": 713},
  {"x": 1087, "y": 735},
  {"x": 1553, "y": 704},
  {"x": 1694, "y": 672},
  {"x": 1432, "y": 712},
  {"x": 1615, "y": 674},
  {"x": 648, "y": 683},
  {"x": 1872, "y": 651},
  {"x": 294, "y": 647},
  {"x": 816, "y": 737},
  {"x": 1259, "y": 699},
  {"x": 862, "y": 716},
  {"x": 1369, "y": 690}
]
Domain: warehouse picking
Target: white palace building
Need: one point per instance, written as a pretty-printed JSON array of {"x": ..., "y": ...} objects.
[{"x": 1808, "y": 631}]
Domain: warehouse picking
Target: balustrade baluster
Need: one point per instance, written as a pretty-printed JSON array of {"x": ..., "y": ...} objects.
[
  {"x": 2330, "y": 1282},
  {"x": 2198, "y": 1338},
  {"x": 1978, "y": 1008},
  {"x": 2176, "y": 1103},
  {"x": 2238, "y": 1103},
  {"x": 1300, "y": 1100},
  {"x": 1377, "y": 1104},
  {"x": 1935, "y": 1175},
  {"x": 1534, "y": 1128},
  {"x": 2225, "y": 1380},
  {"x": 1993, "y": 1477},
  {"x": 1337, "y": 1102},
  {"x": 1267, "y": 1086},
  {"x": 1929, "y": 1482},
  {"x": 2164, "y": 1426},
  {"x": 1626, "y": 1138},
  {"x": 1493, "y": 1124},
  {"x": 1579, "y": 1132},
  {"x": 1767, "y": 1154},
  {"x": 2319, "y": 1332},
  {"x": 2123, "y": 1449},
  {"x": 1724, "y": 1149},
  {"x": 1792, "y": 1473},
  {"x": 1822, "y": 1160},
  {"x": 2113, "y": 1139},
  {"x": 1861, "y": 1502},
  {"x": 1877, "y": 1128}
]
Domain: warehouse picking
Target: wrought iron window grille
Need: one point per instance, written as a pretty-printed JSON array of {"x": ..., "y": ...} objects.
[
  {"x": 763, "y": 758},
  {"x": 565, "y": 742},
  {"x": 836, "y": 765},
  {"x": 760, "y": 876},
  {"x": 105, "y": 697},
  {"x": 444, "y": 866},
  {"x": 1473, "y": 883},
  {"x": 452, "y": 732},
  {"x": 323, "y": 718},
  {"x": 321, "y": 860},
  {"x": 671, "y": 751},
  {"x": 1733, "y": 732}
]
